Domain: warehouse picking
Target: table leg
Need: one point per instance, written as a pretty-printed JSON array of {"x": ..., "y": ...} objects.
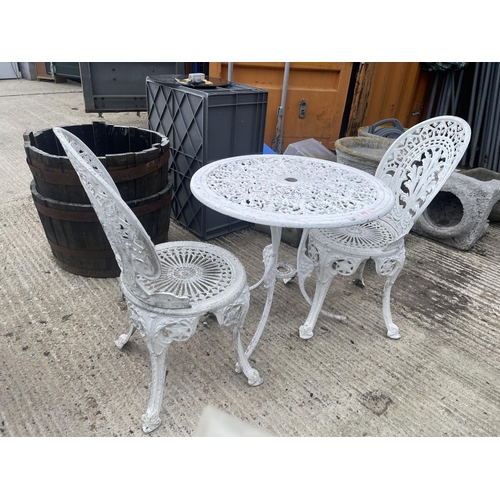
[{"x": 270, "y": 257}]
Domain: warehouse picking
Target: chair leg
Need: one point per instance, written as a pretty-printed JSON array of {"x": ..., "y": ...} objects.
[
  {"x": 390, "y": 267},
  {"x": 158, "y": 353},
  {"x": 125, "y": 337},
  {"x": 358, "y": 278},
  {"x": 323, "y": 282},
  {"x": 327, "y": 264},
  {"x": 159, "y": 332},
  {"x": 305, "y": 267}
]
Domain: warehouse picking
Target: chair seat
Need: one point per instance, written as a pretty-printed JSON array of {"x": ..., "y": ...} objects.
[
  {"x": 208, "y": 276},
  {"x": 363, "y": 239}
]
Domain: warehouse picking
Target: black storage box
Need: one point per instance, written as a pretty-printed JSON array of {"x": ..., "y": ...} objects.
[{"x": 204, "y": 125}]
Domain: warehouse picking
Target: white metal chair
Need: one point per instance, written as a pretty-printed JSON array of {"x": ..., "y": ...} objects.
[
  {"x": 167, "y": 287},
  {"x": 415, "y": 167}
]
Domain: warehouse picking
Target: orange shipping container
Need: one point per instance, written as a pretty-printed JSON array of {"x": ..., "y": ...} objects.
[
  {"x": 321, "y": 87},
  {"x": 319, "y": 97}
]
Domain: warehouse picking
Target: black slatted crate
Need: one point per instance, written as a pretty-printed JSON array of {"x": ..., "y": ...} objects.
[{"x": 205, "y": 125}]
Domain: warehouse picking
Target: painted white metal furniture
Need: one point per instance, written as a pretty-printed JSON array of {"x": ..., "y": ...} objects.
[
  {"x": 415, "y": 168},
  {"x": 167, "y": 287},
  {"x": 289, "y": 191}
]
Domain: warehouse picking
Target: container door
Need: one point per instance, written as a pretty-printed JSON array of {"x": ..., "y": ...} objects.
[{"x": 315, "y": 102}]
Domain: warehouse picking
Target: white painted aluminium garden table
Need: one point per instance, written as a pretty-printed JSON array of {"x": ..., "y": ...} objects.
[{"x": 289, "y": 191}]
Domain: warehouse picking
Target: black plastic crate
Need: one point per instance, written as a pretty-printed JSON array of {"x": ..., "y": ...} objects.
[
  {"x": 199, "y": 219},
  {"x": 204, "y": 125}
]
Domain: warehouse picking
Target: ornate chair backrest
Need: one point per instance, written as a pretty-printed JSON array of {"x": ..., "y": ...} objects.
[
  {"x": 418, "y": 163},
  {"x": 131, "y": 244}
]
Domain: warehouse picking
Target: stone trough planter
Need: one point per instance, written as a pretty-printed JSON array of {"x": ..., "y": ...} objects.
[
  {"x": 364, "y": 153},
  {"x": 485, "y": 175}
]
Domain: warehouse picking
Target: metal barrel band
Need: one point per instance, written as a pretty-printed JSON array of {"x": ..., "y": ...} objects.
[
  {"x": 119, "y": 174},
  {"x": 54, "y": 213},
  {"x": 95, "y": 254}
]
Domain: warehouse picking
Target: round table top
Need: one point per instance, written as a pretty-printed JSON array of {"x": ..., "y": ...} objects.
[{"x": 291, "y": 191}]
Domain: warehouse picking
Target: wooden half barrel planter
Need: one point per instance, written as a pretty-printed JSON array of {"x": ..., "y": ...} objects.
[{"x": 137, "y": 160}]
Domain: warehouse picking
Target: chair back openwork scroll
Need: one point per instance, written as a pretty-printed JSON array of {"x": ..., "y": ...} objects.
[
  {"x": 131, "y": 244},
  {"x": 417, "y": 165}
]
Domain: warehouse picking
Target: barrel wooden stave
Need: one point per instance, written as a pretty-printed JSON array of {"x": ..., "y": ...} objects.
[{"x": 77, "y": 239}]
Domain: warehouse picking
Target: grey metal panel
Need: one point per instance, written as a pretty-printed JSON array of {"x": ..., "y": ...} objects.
[
  {"x": 121, "y": 86},
  {"x": 9, "y": 70},
  {"x": 67, "y": 69}
]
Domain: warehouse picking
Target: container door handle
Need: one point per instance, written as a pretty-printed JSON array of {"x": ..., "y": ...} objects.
[{"x": 302, "y": 108}]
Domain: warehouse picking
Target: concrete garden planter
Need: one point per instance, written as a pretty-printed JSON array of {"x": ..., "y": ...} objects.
[{"x": 364, "y": 153}]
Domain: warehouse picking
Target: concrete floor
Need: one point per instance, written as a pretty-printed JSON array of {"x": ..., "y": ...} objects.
[{"x": 62, "y": 375}]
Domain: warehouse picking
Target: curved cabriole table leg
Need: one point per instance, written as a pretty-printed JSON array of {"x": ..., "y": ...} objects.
[
  {"x": 234, "y": 315},
  {"x": 270, "y": 258}
]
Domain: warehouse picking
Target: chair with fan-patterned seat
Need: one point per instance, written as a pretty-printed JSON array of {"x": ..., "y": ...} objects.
[
  {"x": 167, "y": 287},
  {"x": 415, "y": 167}
]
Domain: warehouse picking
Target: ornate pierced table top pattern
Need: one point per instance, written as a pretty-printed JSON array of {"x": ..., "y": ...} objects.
[{"x": 291, "y": 191}]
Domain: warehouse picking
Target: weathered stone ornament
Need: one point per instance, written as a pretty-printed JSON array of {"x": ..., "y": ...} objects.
[{"x": 459, "y": 214}]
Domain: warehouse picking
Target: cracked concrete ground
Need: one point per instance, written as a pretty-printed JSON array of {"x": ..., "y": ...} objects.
[{"x": 62, "y": 375}]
